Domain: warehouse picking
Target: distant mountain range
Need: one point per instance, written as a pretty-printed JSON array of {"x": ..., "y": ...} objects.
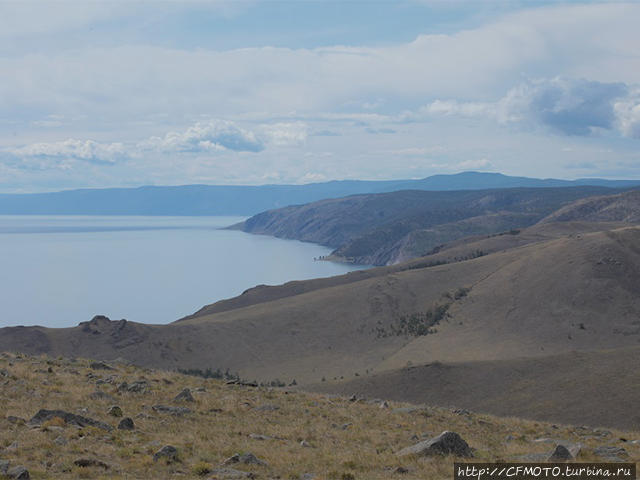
[{"x": 249, "y": 200}]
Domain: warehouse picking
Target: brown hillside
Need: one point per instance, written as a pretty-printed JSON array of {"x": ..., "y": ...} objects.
[
  {"x": 623, "y": 207},
  {"x": 525, "y": 301},
  {"x": 592, "y": 388}
]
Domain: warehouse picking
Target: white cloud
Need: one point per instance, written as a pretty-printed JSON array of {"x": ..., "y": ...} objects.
[
  {"x": 72, "y": 149},
  {"x": 480, "y": 164},
  {"x": 564, "y": 105},
  {"x": 212, "y": 136},
  {"x": 285, "y": 134},
  {"x": 628, "y": 114}
]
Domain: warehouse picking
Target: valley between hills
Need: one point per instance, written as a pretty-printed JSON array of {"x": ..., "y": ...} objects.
[{"x": 541, "y": 322}]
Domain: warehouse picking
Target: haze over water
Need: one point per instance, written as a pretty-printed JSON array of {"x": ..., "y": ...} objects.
[{"x": 58, "y": 271}]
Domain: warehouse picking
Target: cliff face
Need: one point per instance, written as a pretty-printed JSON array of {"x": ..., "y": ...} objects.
[{"x": 387, "y": 228}]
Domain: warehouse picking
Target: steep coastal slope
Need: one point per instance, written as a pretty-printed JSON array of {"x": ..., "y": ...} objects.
[{"x": 392, "y": 227}]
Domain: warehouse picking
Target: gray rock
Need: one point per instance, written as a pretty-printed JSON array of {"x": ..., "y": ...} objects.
[
  {"x": 4, "y": 466},
  {"x": 305, "y": 444},
  {"x": 401, "y": 470},
  {"x": 611, "y": 453},
  {"x": 16, "y": 420},
  {"x": 100, "y": 366},
  {"x": 126, "y": 424},
  {"x": 246, "y": 458},
  {"x": 140, "y": 386},
  {"x": 255, "y": 436},
  {"x": 267, "y": 408},
  {"x": 171, "y": 410},
  {"x": 229, "y": 473},
  {"x": 447, "y": 443},
  {"x": 560, "y": 454},
  {"x": 184, "y": 396},
  {"x": 70, "y": 418},
  {"x": 90, "y": 462},
  {"x": 60, "y": 440},
  {"x": 18, "y": 473},
  {"x": 308, "y": 476},
  {"x": 115, "y": 411},
  {"x": 168, "y": 452},
  {"x": 100, "y": 395}
]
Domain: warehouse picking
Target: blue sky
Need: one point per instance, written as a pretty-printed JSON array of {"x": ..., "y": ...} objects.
[{"x": 102, "y": 94}]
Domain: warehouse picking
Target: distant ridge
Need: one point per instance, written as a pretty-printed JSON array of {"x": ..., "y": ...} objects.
[{"x": 249, "y": 200}]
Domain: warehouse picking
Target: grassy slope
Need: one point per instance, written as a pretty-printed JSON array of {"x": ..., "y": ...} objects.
[{"x": 224, "y": 417}]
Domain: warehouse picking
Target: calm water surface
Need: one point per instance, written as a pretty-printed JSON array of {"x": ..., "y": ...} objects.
[{"x": 57, "y": 271}]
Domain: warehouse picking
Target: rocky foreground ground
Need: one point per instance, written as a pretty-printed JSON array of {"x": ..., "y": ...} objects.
[{"x": 77, "y": 418}]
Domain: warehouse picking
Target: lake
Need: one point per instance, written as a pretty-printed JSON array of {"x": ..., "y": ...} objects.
[{"x": 58, "y": 271}]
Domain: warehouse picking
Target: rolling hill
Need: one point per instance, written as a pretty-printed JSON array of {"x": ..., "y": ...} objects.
[{"x": 533, "y": 297}]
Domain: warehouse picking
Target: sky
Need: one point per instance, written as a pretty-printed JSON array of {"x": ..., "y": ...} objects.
[{"x": 128, "y": 93}]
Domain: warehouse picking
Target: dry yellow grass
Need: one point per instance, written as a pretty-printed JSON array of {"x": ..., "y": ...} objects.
[{"x": 224, "y": 418}]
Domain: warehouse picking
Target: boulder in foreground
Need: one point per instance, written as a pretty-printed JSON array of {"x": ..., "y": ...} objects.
[{"x": 447, "y": 443}]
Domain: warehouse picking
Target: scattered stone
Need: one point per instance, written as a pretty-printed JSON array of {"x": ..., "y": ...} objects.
[
  {"x": 18, "y": 473},
  {"x": 70, "y": 418},
  {"x": 461, "y": 411},
  {"x": 308, "y": 476},
  {"x": 16, "y": 420},
  {"x": 140, "y": 386},
  {"x": 4, "y": 466},
  {"x": 229, "y": 473},
  {"x": 168, "y": 452},
  {"x": 184, "y": 396},
  {"x": 409, "y": 410},
  {"x": 509, "y": 438},
  {"x": 100, "y": 366},
  {"x": 171, "y": 410},
  {"x": 100, "y": 395},
  {"x": 401, "y": 470},
  {"x": 200, "y": 390},
  {"x": 611, "y": 453},
  {"x": 560, "y": 454},
  {"x": 60, "y": 440},
  {"x": 90, "y": 462},
  {"x": 255, "y": 436},
  {"x": 126, "y": 424},
  {"x": 246, "y": 458},
  {"x": 344, "y": 426},
  {"x": 305, "y": 444},
  {"x": 115, "y": 411},
  {"x": 267, "y": 408},
  {"x": 4, "y": 373},
  {"x": 444, "y": 444},
  {"x": 384, "y": 404}
]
